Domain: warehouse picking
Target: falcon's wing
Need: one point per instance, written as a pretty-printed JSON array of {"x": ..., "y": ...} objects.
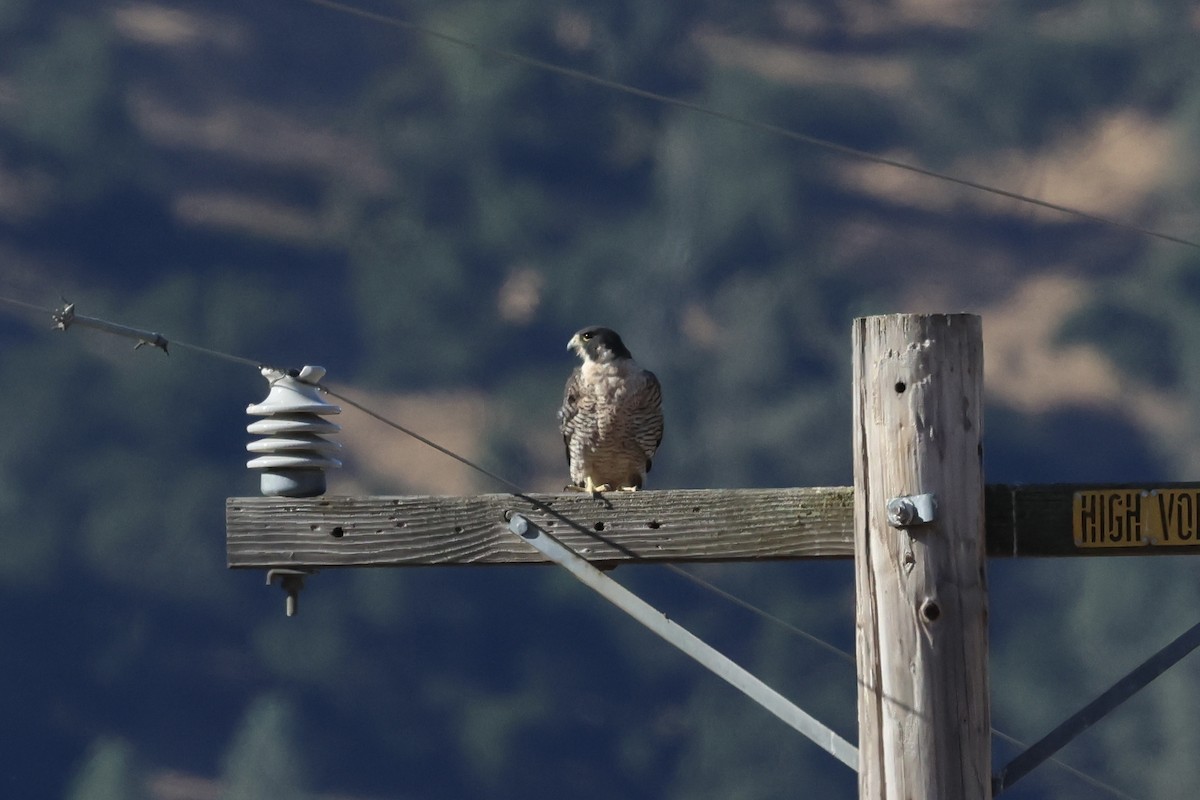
[
  {"x": 570, "y": 408},
  {"x": 650, "y": 417}
]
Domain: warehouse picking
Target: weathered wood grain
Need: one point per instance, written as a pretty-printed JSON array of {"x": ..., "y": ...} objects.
[
  {"x": 678, "y": 525},
  {"x": 921, "y": 590},
  {"x": 731, "y": 524}
]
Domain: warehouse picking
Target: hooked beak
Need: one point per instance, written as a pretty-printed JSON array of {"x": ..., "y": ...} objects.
[{"x": 575, "y": 344}]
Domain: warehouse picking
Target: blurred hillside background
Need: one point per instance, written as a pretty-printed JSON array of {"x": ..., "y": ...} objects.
[{"x": 304, "y": 186}]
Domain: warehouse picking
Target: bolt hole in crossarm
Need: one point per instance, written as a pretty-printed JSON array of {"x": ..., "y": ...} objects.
[{"x": 930, "y": 611}]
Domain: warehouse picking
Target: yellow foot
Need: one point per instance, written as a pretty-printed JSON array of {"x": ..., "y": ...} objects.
[
  {"x": 630, "y": 488},
  {"x": 595, "y": 490}
]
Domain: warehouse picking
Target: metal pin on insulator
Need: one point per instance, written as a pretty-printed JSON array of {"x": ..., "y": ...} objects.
[{"x": 293, "y": 455}]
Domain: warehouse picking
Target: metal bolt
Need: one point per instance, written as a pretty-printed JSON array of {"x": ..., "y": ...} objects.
[
  {"x": 901, "y": 512},
  {"x": 518, "y": 525},
  {"x": 909, "y": 510}
]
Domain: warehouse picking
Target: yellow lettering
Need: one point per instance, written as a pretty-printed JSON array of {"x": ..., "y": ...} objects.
[
  {"x": 1179, "y": 516},
  {"x": 1167, "y": 513},
  {"x": 1089, "y": 518},
  {"x": 1119, "y": 520},
  {"x": 1133, "y": 517}
]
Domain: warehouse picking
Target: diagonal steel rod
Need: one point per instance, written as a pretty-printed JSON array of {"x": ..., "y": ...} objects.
[
  {"x": 680, "y": 637},
  {"x": 1094, "y": 711}
]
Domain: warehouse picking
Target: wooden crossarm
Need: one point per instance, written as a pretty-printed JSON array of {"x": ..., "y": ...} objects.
[{"x": 675, "y": 525}]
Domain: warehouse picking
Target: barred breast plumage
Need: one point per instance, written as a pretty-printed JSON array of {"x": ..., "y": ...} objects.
[{"x": 611, "y": 417}]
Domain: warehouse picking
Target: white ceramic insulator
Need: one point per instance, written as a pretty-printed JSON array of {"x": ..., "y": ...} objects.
[{"x": 293, "y": 453}]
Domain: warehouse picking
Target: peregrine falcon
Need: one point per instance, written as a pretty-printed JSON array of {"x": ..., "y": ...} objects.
[{"x": 611, "y": 417}]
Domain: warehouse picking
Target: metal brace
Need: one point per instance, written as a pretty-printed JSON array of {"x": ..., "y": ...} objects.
[
  {"x": 908, "y": 510},
  {"x": 291, "y": 581},
  {"x": 679, "y": 637}
]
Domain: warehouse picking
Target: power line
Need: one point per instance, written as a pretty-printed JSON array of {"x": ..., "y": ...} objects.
[
  {"x": 66, "y": 316},
  {"x": 765, "y": 127},
  {"x": 27, "y": 306},
  {"x": 519, "y": 490},
  {"x": 705, "y": 584},
  {"x": 423, "y": 440}
]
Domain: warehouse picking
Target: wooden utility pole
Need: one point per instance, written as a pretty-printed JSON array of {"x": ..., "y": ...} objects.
[{"x": 924, "y": 729}]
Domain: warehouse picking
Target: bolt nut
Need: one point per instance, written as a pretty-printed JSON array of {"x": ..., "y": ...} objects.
[
  {"x": 901, "y": 512},
  {"x": 518, "y": 524},
  {"x": 906, "y": 511}
]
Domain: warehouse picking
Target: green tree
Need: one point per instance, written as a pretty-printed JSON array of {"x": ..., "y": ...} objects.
[
  {"x": 263, "y": 760},
  {"x": 109, "y": 772}
]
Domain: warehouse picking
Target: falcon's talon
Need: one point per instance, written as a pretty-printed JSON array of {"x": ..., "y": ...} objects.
[
  {"x": 591, "y": 488},
  {"x": 630, "y": 488}
]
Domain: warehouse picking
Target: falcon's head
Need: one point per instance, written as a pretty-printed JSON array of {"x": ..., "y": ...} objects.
[{"x": 597, "y": 344}]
